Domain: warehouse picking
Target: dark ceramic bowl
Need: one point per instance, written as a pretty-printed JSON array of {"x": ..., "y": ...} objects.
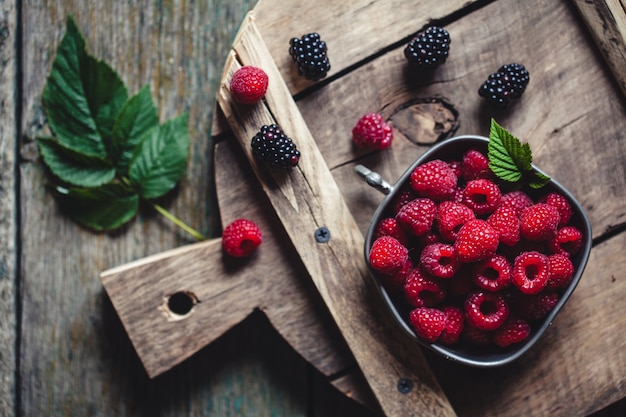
[{"x": 453, "y": 149}]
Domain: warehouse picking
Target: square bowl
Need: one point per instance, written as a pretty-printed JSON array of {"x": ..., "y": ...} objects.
[{"x": 450, "y": 149}]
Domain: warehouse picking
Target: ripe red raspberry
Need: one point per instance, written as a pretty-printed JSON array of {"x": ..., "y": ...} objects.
[
  {"x": 486, "y": 310},
  {"x": 394, "y": 283},
  {"x": 518, "y": 200},
  {"x": 539, "y": 222},
  {"x": 428, "y": 323},
  {"x": 568, "y": 241},
  {"x": 389, "y": 227},
  {"x": 530, "y": 272},
  {"x": 248, "y": 85},
  {"x": 422, "y": 290},
  {"x": 561, "y": 271},
  {"x": 476, "y": 241},
  {"x": 450, "y": 217},
  {"x": 455, "y": 318},
  {"x": 241, "y": 237},
  {"x": 417, "y": 216},
  {"x": 387, "y": 255},
  {"x": 506, "y": 222},
  {"x": 536, "y": 306},
  {"x": 439, "y": 260},
  {"x": 372, "y": 132},
  {"x": 404, "y": 196},
  {"x": 482, "y": 196},
  {"x": 456, "y": 168},
  {"x": 475, "y": 165},
  {"x": 561, "y": 203},
  {"x": 492, "y": 274},
  {"x": 513, "y": 331},
  {"x": 434, "y": 179}
]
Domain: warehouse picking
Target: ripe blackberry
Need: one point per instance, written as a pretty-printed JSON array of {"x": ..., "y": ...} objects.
[
  {"x": 310, "y": 56},
  {"x": 429, "y": 48},
  {"x": 272, "y": 146},
  {"x": 505, "y": 85}
]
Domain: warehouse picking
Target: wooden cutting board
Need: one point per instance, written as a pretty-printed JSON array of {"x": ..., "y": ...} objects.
[{"x": 369, "y": 74}]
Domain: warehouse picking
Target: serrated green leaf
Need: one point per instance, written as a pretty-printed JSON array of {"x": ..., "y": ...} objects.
[
  {"x": 103, "y": 208},
  {"x": 136, "y": 118},
  {"x": 72, "y": 167},
  {"x": 82, "y": 96},
  {"x": 538, "y": 180},
  {"x": 161, "y": 159}
]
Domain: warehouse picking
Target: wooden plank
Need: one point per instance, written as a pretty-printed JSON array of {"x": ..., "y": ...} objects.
[
  {"x": 8, "y": 206},
  {"x": 307, "y": 198},
  {"x": 606, "y": 20}
]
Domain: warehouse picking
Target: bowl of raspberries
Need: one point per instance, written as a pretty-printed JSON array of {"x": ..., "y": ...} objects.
[{"x": 472, "y": 266}]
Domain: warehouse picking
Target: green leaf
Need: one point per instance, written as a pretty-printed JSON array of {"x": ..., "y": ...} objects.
[
  {"x": 538, "y": 180},
  {"x": 136, "y": 118},
  {"x": 82, "y": 96},
  {"x": 103, "y": 208},
  {"x": 508, "y": 157},
  {"x": 73, "y": 167},
  {"x": 161, "y": 159}
]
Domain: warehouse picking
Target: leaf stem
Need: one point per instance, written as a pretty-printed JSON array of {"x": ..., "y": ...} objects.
[{"x": 178, "y": 222}]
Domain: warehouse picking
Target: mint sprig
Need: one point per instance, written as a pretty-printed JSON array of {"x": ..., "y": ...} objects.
[
  {"x": 511, "y": 160},
  {"x": 107, "y": 151}
]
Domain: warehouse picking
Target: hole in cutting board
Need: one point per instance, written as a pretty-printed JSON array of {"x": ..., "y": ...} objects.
[{"x": 180, "y": 304}]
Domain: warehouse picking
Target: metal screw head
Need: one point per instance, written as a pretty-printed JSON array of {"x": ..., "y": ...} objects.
[
  {"x": 322, "y": 235},
  {"x": 405, "y": 385}
]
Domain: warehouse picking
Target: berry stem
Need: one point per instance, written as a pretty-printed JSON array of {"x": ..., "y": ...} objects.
[{"x": 178, "y": 222}]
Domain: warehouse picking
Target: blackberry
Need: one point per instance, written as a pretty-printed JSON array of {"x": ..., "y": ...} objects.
[
  {"x": 429, "y": 48},
  {"x": 505, "y": 85},
  {"x": 272, "y": 146},
  {"x": 310, "y": 56}
]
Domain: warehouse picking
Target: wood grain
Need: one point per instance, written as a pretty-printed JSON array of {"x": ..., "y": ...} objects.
[
  {"x": 8, "y": 207},
  {"x": 606, "y": 20},
  {"x": 306, "y": 198}
]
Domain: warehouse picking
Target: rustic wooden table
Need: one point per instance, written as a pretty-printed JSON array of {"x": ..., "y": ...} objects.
[{"x": 64, "y": 349}]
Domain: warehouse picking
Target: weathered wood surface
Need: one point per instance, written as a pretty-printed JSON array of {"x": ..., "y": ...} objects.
[{"x": 73, "y": 355}]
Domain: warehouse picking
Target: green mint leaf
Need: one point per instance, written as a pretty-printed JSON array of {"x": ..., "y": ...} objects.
[
  {"x": 136, "y": 118},
  {"x": 161, "y": 158},
  {"x": 538, "y": 180},
  {"x": 103, "y": 208},
  {"x": 82, "y": 96},
  {"x": 72, "y": 167}
]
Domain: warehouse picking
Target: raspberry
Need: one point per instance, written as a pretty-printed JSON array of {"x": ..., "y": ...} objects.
[
  {"x": 539, "y": 222},
  {"x": 518, "y": 200},
  {"x": 534, "y": 307},
  {"x": 403, "y": 197},
  {"x": 453, "y": 326},
  {"x": 310, "y": 54},
  {"x": 514, "y": 330},
  {"x": 248, "y": 84},
  {"x": 482, "y": 196},
  {"x": 434, "y": 179},
  {"x": 486, "y": 310},
  {"x": 475, "y": 165},
  {"x": 394, "y": 283},
  {"x": 476, "y": 241},
  {"x": 492, "y": 274},
  {"x": 505, "y": 85},
  {"x": 422, "y": 290},
  {"x": 438, "y": 259},
  {"x": 456, "y": 167},
  {"x": 530, "y": 272},
  {"x": 389, "y": 227},
  {"x": 562, "y": 205},
  {"x": 462, "y": 283},
  {"x": 241, "y": 237},
  {"x": 387, "y": 255},
  {"x": 429, "y": 48},
  {"x": 417, "y": 216},
  {"x": 506, "y": 222},
  {"x": 272, "y": 146},
  {"x": 450, "y": 217},
  {"x": 561, "y": 271},
  {"x": 568, "y": 241},
  {"x": 428, "y": 323},
  {"x": 372, "y": 132}
]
